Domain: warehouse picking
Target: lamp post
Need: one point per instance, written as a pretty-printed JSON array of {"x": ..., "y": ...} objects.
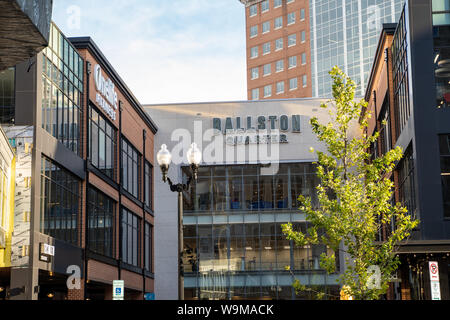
[{"x": 164, "y": 158}]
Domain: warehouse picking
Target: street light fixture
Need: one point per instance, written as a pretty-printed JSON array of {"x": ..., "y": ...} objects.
[{"x": 164, "y": 158}]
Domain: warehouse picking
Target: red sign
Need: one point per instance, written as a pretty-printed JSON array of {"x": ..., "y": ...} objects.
[{"x": 434, "y": 271}]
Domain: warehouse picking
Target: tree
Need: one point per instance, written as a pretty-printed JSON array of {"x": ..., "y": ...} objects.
[{"x": 354, "y": 199}]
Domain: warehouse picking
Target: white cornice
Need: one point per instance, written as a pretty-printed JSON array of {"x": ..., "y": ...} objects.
[{"x": 249, "y": 2}]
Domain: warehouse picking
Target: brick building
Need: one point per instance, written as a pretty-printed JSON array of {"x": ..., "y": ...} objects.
[
  {"x": 293, "y": 44},
  {"x": 278, "y": 49},
  {"x": 84, "y": 196}
]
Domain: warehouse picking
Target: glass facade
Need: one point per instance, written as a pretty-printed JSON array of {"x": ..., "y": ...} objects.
[
  {"x": 233, "y": 241},
  {"x": 60, "y": 202},
  {"x": 345, "y": 33},
  {"x": 441, "y": 35},
  {"x": 62, "y": 88},
  {"x": 101, "y": 216},
  {"x": 7, "y": 96},
  {"x": 102, "y": 143}
]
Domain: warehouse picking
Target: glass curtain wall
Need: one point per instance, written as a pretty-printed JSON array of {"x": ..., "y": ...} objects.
[
  {"x": 62, "y": 88},
  {"x": 60, "y": 202},
  {"x": 441, "y": 33},
  {"x": 345, "y": 33},
  {"x": 220, "y": 255}
]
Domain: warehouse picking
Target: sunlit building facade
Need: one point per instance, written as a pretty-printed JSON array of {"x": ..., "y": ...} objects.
[
  {"x": 234, "y": 247},
  {"x": 345, "y": 33}
]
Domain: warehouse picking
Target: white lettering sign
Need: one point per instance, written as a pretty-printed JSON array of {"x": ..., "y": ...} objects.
[{"x": 106, "y": 96}]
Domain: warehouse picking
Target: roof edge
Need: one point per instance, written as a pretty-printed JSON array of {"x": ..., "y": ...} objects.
[{"x": 89, "y": 44}]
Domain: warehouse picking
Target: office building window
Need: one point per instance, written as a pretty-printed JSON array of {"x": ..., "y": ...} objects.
[
  {"x": 60, "y": 202},
  {"x": 246, "y": 188},
  {"x": 277, "y": 3},
  {"x": 292, "y": 40},
  {"x": 303, "y": 36},
  {"x": 406, "y": 187},
  {"x": 444, "y": 146},
  {"x": 400, "y": 78},
  {"x": 102, "y": 143},
  {"x": 278, "y": 44},
  {"x": 7, "y": 96},
  {"x": 293, "y": 84},
  {"x": 385, "y": 131},
  {"x": 101, "y": 216},
  {"x": 148, "y": 181},
  {"x": 280, "y": 87},
  {"x": 255, "y": 73},
  {"x": 266, "y": 69},
  {"x": 303, "y": 58},
  {"x": 441, "y": 12},
  {"x": 441, "y": 32},
  {"x": 278, "y": 23},
  {"x": 255, "y": 94},
  {"x": 148, "y": 238},
  {"x": 253, "y": 10},
  {"x": 292, "y": 62},
  {"x": 131, "y": 229},
  {"x": 267, "y": 91},
  {"x": 254, "y": 52},
  {"x": 253, "y": 31},
  {"x": 265, "y": 6},
  {"x": 305, "y": 80},
  {"x": 290, "y": 1},
  {"x": 279, "y": 65},
  {"x": 131, "y": 169},
  {"x": 302, "y": 14},
  {"x": 291, "y": 18},
  {"x": 266, "y": 48},
  {"x": 62, "y": 90},
  {"x": 266, "y": 27}
]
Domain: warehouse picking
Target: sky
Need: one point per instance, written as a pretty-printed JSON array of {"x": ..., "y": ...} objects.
[{"x": 166, "y": 51}]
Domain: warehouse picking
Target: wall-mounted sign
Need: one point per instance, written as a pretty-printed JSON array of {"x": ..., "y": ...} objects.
[
  {"x": 46, "y": 252},
  {"x": 434, "y": 280},
  {"x": 257, "y": 130},
  {"x": 106, "y": 95},
  {"x": 118, "y": 289}
]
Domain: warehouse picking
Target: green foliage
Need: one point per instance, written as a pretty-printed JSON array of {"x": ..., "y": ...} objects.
[{"x": 354, "y": 195}]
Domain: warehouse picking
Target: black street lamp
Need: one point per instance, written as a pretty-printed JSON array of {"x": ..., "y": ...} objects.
[{"x": 164, "y": 158}]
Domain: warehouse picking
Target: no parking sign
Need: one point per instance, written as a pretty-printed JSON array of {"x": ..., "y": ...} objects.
[{"x": 434, "y": 280}]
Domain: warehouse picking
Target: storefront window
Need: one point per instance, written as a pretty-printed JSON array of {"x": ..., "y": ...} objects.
[{"x": 60, "y": 202}]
